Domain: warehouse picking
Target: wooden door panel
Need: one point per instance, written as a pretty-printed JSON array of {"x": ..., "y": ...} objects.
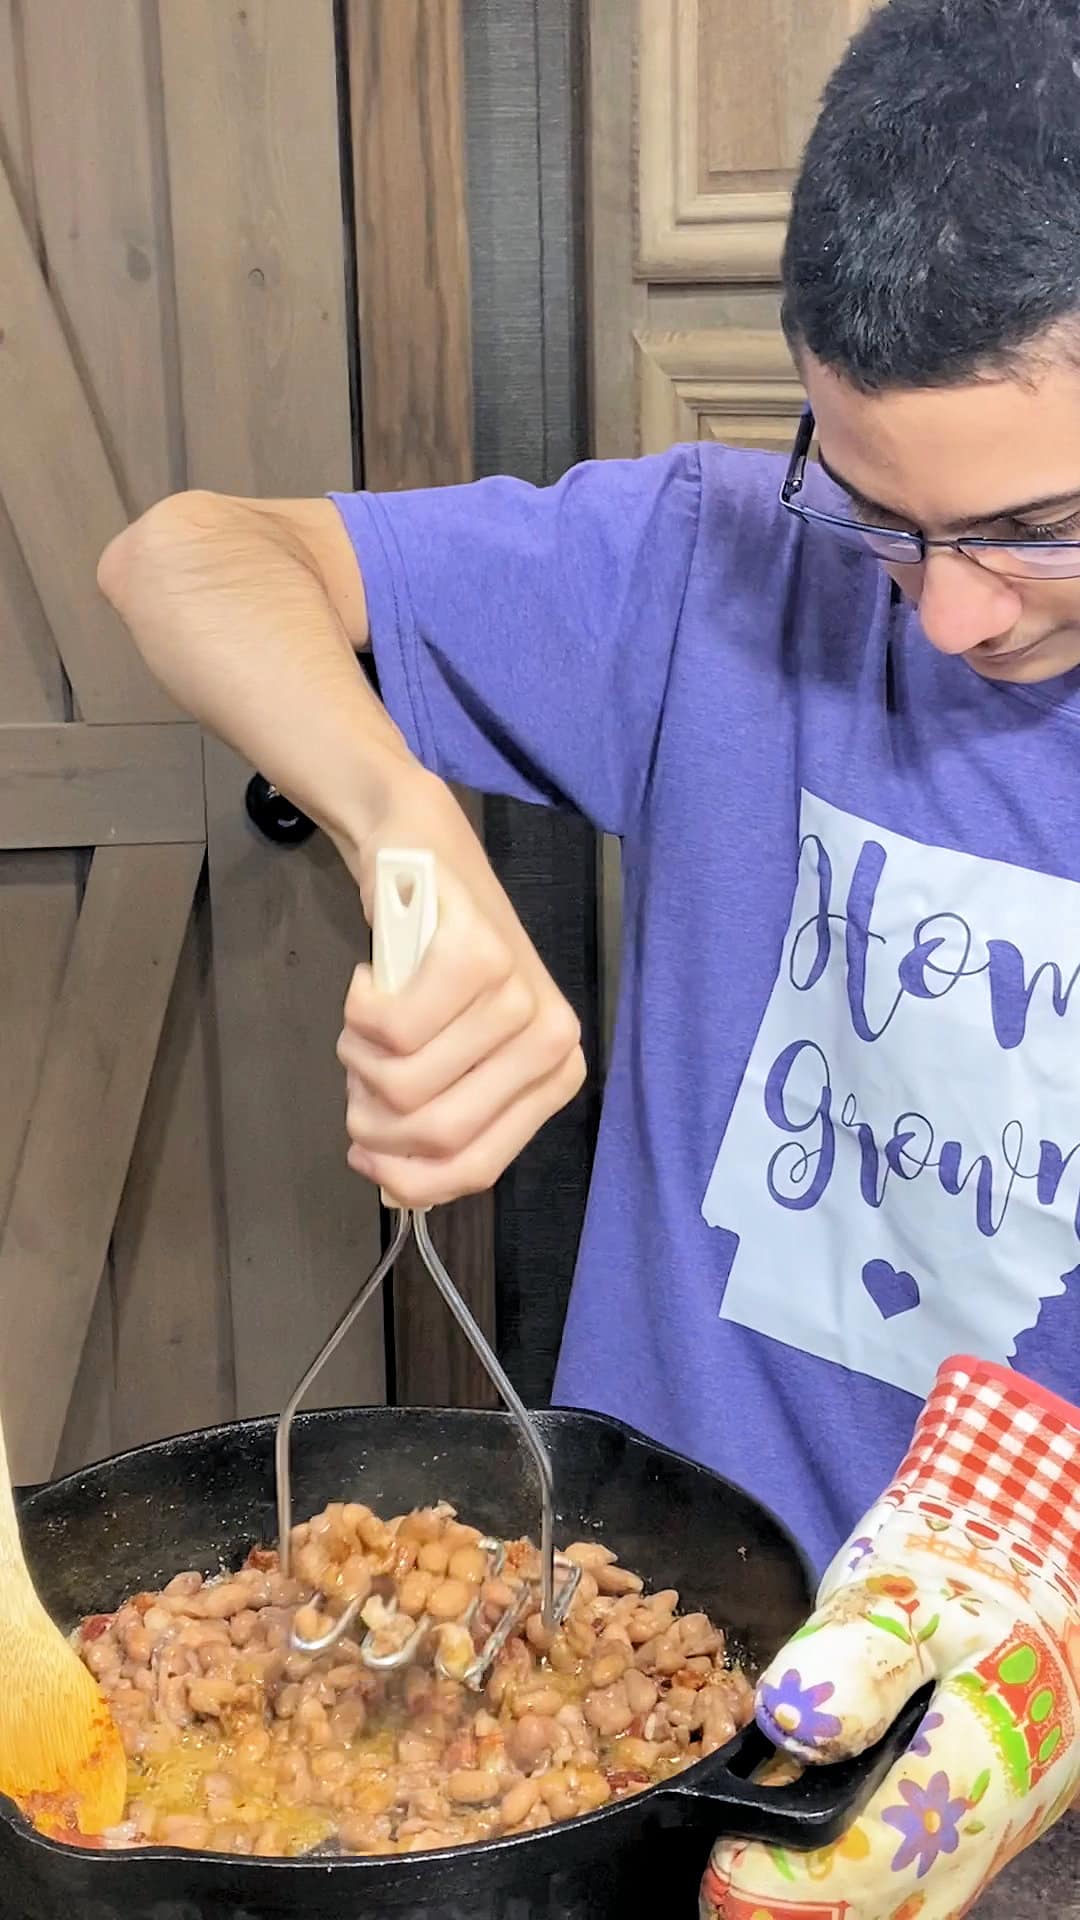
[
  {"x": 726, "y": 97},
  {"x": 716, "y": 384},
  {"x": 59, "y": 488},
  {"x": 75, "y": 1155},
  {"x": 251, "y": 111},
  {"x": 135, "y": 1032}
]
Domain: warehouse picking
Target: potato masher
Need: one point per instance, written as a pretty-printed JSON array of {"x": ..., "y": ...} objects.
[{"x": 404, "y": 918}]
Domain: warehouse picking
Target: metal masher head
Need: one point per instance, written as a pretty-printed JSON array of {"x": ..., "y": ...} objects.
[
  {"x": 403, "y": 924},
  {"x": 393, "y": 1639}
]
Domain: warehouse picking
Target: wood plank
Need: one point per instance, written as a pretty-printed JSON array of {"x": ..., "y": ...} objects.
[
  {"x": 251, "y": 114},
  {"x": 93, "y": 1081},
  {"x": 89, "y": 1427},
  {"x": 39, "y": 892},
  {"x": 617, "y": 302},
  {"x": 101, "y": 196},
  {"x": 77, "y": 785},
  {"x": 412, "y": 270},
  {"x": 14, "y": 120},
  {"x": 174, "y": 1359},
  {"x": 618, "y": 305},
  {"x": 251, "y": 120},
  {"x": 96, "y": 118},
  {"x": 412, "y": 240},
  {"x": 59, "y": 489},
  {"x": 38, "y": 905}
]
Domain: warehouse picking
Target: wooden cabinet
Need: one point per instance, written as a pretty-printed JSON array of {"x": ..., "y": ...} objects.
[
  {"x": 697, "y": 115},
  {"x": 698, "y": 112}
]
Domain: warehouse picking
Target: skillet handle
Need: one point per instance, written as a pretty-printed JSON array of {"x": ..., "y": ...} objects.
[{"x": 811, "y": 1812}]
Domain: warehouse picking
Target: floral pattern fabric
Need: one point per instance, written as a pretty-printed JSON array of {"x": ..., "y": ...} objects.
[{"x": 961, "y": 1593}]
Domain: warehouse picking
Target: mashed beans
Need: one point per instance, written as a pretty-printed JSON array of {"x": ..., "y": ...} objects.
[{"x": 238, "y": 1745}]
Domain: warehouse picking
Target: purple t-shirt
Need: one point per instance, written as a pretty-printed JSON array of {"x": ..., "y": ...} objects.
[{"x": 841, "y": 1132}]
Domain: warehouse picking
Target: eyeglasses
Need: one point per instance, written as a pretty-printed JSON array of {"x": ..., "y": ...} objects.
[{"x": 1015, "y": 559}]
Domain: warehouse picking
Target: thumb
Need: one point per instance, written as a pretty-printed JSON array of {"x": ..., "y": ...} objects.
[{"x": 838, "y": 1686}]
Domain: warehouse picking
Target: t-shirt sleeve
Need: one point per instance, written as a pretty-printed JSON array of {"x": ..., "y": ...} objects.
[{"x": 523, "y": 636}]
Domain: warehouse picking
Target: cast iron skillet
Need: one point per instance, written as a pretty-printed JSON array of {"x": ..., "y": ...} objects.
[{"x": 204, "y": 1499}]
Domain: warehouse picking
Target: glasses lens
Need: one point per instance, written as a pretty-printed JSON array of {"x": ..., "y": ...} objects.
[
  {"x": 1028, "y": 560},
  {"x": 896, "y": 549},
  {"x": 824, "y": 505}
]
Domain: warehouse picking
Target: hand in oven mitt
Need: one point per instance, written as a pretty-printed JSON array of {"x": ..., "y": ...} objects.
[{"x": 967, "y": 1572}]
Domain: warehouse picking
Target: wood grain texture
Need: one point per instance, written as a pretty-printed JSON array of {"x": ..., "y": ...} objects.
[
  {"x": 173, "y": 1342},
  {"x": 14, "y": 117},
  {"x": 251, "y": 120},
  {"x": 617, "y": 301},
  {"x": 68, "y": 784},
  {"x": 717, "y": 383},
  {"x": 101, "y": 208},
  {"x": 59, "y": 489},
  {"x": 251, "y": 115},
  {"x": 412, "y": 244},
  {"x": 726, "y": 96},
  {"x": 39, "y": 892},
  {"x": 96, "y": 130},
  {"x": 412, "y": 271},
  {"x": 751, "y": 115},
  {"x": 101, "y": 1046}
]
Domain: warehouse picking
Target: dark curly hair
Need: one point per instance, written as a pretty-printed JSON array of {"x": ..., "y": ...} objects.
[{"x": 935, "y": 231}]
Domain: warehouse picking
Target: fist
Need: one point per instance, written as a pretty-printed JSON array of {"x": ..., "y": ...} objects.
[{"x": 449, "y": 1078}]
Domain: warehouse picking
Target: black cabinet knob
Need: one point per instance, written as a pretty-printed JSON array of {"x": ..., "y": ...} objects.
[{"x": 274, "y": 815}]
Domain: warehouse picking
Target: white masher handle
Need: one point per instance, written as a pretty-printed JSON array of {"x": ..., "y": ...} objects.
[{"x": 405, "y": 914}]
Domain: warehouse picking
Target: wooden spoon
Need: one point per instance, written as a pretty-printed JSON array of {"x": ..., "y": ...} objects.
[{"x": 61, "y": 1758}]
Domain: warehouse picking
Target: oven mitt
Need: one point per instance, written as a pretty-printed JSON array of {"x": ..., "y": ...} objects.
[{"x": 967, "y": 1573}]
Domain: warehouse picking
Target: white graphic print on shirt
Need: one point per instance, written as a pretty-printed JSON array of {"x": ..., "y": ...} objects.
[{"x": 902, "y": 1162}]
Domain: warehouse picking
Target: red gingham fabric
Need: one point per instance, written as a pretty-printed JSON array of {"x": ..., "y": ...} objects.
[{"x": 1005, "y": 1451}]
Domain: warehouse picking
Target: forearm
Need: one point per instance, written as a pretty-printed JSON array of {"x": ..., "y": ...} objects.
[{"x": 224, "y": 603}]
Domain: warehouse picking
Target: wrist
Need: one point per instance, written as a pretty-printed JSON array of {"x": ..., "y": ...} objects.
[{"x": 393, "y": 792}]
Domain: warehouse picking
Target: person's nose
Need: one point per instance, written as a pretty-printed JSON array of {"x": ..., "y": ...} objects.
[{"x": 962, "y": 604}]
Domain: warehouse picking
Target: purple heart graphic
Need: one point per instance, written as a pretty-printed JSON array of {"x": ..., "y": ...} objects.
[{"x": 891, "y": 1289}]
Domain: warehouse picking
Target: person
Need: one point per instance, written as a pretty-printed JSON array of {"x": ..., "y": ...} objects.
[{"x": 830, "y": 706}]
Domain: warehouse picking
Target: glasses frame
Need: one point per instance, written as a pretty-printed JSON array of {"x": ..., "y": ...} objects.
[{"x": 969, "y": 546}]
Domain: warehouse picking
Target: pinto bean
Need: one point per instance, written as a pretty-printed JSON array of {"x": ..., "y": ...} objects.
[
  {"x": 565, "y": 1720},
  {"x": 102, "y": 1657},
  {"x": 610, "y": 1664},
  {"x": 182, "y": 1586},
  {"x": 608, "y": 1710},
  {"x": 473, "y": 1786},
  {"x": 181, "y": 1830},
  {"x": 538, "y": 1635},
  {"x": 698, "y": 1636},
  {"x": 529, "y": 1739},
  {"x": 618, "y": 1580},
  {"x": 449, "y": 1600},
  {"x": 208, "y": 1698},
  {"x": 434, "y": 1557},
  {"x": 541, "y": 1700},
  {"x": 591, "y": 1554},
  {"x": 717, "y": 1719},
  {"x": 219, "y": 1602},
  {"x": 415, "y": 1590},
  {"x": 662, "y": 1655},
  {"x": 468, "y": 1563},
  {"x": 641, "y": 1692},
  {"x": 517, "y": 1803},
  {"x": 580, "y": 1636}
]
